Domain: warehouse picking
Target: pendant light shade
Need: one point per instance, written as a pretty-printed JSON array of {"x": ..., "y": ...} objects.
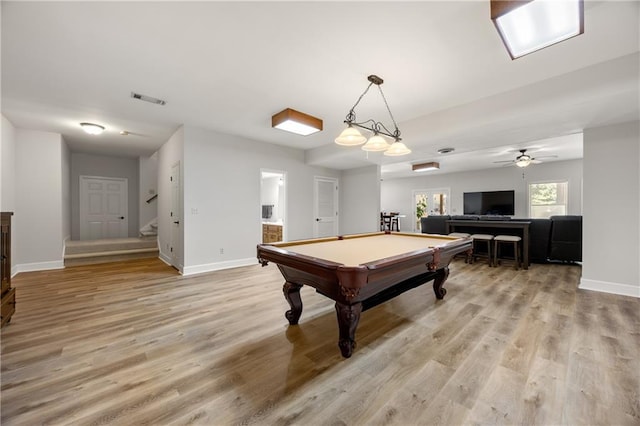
[
  {"x": 376, "y": 143},
  {"x": 397, "y": 149},
  {"x": 350, "y": 137}
]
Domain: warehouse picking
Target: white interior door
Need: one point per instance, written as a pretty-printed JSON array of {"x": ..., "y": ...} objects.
[
  {"x": 103, "y": 208},
  {"x": 175, "y": 216},
  {"x": 325, "y": 207}
]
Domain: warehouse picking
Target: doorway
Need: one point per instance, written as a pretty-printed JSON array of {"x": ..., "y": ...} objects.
[
  {"x": 273, "y": 205},
  {"x": 325, "y": 203},
  {"x": 103, "y": 208},
  {"x": 429, "y": 202},
  {"x": 175, "y": 249}
]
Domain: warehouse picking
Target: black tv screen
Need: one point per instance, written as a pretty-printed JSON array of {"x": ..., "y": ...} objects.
[{"x": 489, "y": 203}]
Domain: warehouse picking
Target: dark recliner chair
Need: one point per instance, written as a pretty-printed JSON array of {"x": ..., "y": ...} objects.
[
  {"x": 539, "y": 237},
  {"x": 566, "y": 238}
]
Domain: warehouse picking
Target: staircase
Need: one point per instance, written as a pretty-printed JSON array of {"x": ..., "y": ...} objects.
[{"x": 111, "y": 250}]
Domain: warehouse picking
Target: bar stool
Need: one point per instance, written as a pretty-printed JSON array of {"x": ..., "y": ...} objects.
[
  {"x": 482, "y": 238},
  {"x": 467, "y": 257},
  {"x": 459, "y": 235},
  {"x": 395, "y": 221},
  {"x": 509, "y": 239}
]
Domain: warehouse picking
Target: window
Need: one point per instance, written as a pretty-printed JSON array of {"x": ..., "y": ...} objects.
[{"x": 547, "y": 199}]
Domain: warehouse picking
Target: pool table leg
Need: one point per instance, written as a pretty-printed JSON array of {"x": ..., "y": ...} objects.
[
  {"x": 292, "y": 294},
  {"x": 348, "y": 318},
  {"x": 438, "y": 282}
]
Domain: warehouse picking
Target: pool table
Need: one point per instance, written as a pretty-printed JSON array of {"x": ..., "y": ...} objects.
[{"x": 360, "y": 271}]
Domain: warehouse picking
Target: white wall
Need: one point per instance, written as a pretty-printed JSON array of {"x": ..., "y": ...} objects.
[
  {"x": 104, "y": 166},
  {"x": 396, "y": 194},
  {"x": 7, "y": 177},
  {"x": 38, "y": 210},
  {"x": 65, "y": 187},
  {"x": 169, "y": 154},
  {"x": 148, "y": 178},
  {"x": 222, "y": 197},
  {"x": 7, "y": 166},
  {"x": 611, "y": 220},
  {"x": 360, "y": 200}
]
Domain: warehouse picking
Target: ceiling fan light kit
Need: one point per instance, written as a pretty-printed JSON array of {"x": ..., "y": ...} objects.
[
  {"x": 527, "y": 26},
  {"x": 351, "y": 136}
]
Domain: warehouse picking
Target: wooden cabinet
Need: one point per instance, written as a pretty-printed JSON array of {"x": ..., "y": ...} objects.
[
  {"x": 271, "y": 233},
  {"x": 8, "y": 293}
]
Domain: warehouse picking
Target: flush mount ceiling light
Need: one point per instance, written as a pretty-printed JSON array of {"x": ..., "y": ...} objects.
[
  {"x": 296, "y": 122},
  {"x": 352, "y": 136},
  {"x": 527, "y": 26},
  {"x": 433, "y": 165},
  {"x": 92, "y": 129}
]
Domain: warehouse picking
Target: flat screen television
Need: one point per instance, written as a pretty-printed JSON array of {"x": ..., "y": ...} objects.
[{"x": 489, "y": 203}]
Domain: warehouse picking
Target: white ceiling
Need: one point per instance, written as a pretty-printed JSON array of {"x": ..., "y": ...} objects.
[{"x": 229, "y": 66}]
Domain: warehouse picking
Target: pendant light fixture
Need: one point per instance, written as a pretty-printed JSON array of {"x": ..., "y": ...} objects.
[{"x": 351, "y": 136}]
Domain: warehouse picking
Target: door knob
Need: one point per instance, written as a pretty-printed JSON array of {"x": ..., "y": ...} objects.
[
  {"x": 177, "y": 222},
  {"x": 121, "y": 217},
  {"x": 317, "y": 219}
]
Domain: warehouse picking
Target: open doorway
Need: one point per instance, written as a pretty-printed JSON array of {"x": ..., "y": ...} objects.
[{"x": 273, "y": 205}]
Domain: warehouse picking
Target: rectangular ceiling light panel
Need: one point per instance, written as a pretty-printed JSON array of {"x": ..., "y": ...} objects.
[
  {"x": 296, "y": 122},
  {"x": 529, "y": 26},
  {"x": 424, "y": 167}
]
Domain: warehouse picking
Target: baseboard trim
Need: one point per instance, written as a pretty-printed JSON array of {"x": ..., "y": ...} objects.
[
  {"x": 607, "y": 287},
  {"x": 166, "y": 259},
  {"x": 39, "y": 266},
  {"x": 217, "y": 266}
]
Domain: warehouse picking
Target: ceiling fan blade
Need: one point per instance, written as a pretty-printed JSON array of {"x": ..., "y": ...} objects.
[
  {"x": 535, "y": 161},
  {"x": 545, "y": 156},
  {"x": 505, "y": 161}
]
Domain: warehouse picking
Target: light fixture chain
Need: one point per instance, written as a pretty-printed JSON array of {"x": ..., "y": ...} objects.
[
  {"x": 358, "y": 101},
  {"x": 389, "y": 109}
]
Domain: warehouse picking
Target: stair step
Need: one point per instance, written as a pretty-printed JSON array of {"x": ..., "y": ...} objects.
[
  {"x": 110, "y": 253},
  {"x": 109, "y": 245},
  {"x": 87, "y": 259},
  {"x": 109, "y": 250}
]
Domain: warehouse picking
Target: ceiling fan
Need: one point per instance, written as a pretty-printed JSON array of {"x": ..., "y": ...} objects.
[{"x": 524, "y": 159}]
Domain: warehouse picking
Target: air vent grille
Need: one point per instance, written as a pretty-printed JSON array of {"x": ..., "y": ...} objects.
[{"x": 146, "y": 98}]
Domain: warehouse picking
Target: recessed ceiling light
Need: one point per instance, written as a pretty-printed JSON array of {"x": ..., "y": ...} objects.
[
  {"x": 296, "y": 122},
  {"x": 92, "y": 129},
  {"x": 445, "y": 150}
]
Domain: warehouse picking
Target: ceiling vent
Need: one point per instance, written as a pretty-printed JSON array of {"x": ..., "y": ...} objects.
[{"x": 146, "y": 98}]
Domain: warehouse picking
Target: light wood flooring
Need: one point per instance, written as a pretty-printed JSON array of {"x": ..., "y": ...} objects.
[{"x": 135, "y": 343}]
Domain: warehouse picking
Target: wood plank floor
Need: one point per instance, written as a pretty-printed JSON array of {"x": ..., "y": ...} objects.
[{"x": 135, "y": 343}]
